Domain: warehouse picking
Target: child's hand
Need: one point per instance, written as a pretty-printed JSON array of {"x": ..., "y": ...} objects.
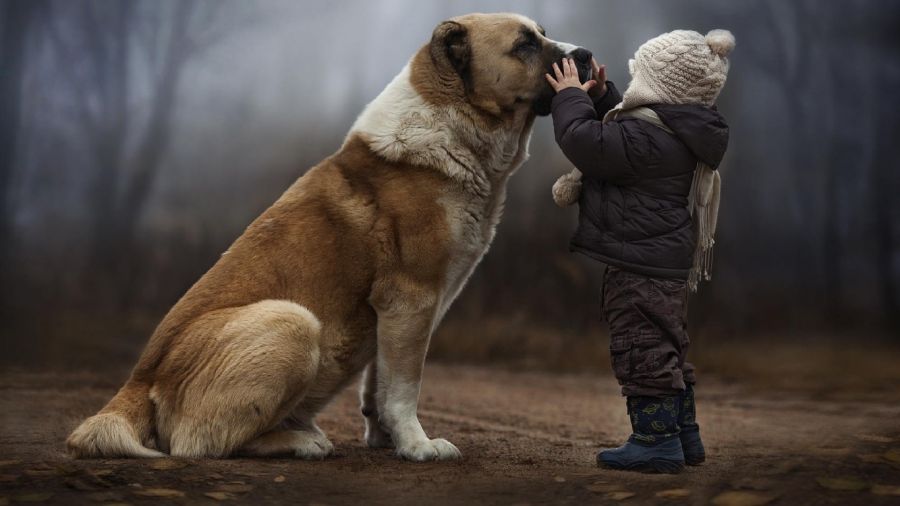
[
  {"x": 568, "y": 77},
  {"x": 599, "y": 75}
]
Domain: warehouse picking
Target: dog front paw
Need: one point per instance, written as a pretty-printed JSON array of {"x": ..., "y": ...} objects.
[{"x": 430, "y": 449}]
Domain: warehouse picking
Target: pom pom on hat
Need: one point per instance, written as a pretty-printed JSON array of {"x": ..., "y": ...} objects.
[{"x": 720, "y": 42}]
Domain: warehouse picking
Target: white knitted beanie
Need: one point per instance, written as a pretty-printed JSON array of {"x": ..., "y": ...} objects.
[{"x": 679, "y": 67}]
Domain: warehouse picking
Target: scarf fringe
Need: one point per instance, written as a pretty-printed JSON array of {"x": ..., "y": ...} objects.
[{"x": 703, "y": 204}]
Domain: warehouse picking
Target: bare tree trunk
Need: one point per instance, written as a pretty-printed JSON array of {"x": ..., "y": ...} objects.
[
  {"x": 831, "y": 239},
  {"x": 122, "y": 181},
  {"x": 885, "y": 182},
  {"x": 839, "y": 156},
  {"x": 147, "y": 159},
  {"x": 95, "y": 42},
  {"x": 18, "y": 16},
  {"x": 15, "y": 14},
  {"x": 111, "y": 73}
]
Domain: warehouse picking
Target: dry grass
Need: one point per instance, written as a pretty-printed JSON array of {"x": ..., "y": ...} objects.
[{"x": 826, "y": 365}]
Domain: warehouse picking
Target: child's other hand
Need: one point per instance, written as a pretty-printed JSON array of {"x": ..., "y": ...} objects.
[
  {"x": 599, "y": 75},
  {"x": 568, "y": 77}
]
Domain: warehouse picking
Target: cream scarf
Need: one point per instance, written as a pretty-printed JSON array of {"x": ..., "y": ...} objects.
[{"x": 703, "y": 199}]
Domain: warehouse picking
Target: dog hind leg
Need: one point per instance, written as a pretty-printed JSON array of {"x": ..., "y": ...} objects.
[
  {"x": 262, "y": 361},
  {"x": 305, "y": 444}
]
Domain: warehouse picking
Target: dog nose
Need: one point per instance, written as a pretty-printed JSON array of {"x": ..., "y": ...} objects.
[{"x": 581, "y": 55}]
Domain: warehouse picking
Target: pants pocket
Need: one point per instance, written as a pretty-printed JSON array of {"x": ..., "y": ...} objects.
[{"x": 646, "y": 354}]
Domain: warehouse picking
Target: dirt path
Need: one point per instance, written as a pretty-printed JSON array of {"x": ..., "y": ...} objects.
[{"x": 527, "y": 438}]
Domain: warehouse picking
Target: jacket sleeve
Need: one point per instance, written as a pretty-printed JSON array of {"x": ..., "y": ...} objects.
[
  {"x": 607, "y": 101},
  {"x": 600, "y": 150}
]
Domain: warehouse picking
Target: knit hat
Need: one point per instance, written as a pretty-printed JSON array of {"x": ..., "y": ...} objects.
[{"x": 679, "y": 67}]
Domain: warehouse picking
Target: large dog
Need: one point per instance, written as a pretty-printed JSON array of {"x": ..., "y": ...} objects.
[{"x": 351, "y": 269}]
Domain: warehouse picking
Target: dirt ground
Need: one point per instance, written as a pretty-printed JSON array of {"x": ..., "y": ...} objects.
[{"x": 526, "y": 438}]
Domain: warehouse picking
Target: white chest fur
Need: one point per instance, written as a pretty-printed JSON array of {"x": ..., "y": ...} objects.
[{"x": 400, "y": 125}]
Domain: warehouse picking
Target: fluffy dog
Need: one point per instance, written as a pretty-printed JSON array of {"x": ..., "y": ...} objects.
[{"x": 350, "y": 270}]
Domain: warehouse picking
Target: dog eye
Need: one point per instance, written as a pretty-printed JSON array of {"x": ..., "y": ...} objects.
[{"x": 527, "y": 45}]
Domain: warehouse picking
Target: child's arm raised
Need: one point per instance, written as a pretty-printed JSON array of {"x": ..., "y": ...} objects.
[
  {"x": 605, "y": 95},
  {"x": 597, "y": 149}
]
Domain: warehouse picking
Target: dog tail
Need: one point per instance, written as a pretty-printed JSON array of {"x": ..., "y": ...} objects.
[{"x": 119, "y": 429}]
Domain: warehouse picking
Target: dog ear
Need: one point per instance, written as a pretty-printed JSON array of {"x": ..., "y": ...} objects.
[{"x": 450, "y": 49}]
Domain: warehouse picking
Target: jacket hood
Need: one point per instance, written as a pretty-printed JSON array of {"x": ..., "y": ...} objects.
[{"x": 701, "y": 128}]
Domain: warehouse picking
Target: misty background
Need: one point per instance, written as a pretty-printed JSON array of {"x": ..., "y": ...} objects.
[{"x": 138, "y": 139}]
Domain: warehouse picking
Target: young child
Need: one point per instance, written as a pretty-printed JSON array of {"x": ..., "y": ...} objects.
[{"x": 647, "y": 191}]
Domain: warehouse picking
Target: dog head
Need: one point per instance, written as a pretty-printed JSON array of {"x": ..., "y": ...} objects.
[{"x": 498, "y": 61}]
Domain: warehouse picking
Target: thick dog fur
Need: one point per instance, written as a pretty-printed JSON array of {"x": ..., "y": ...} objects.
[{"x": 351, "y": 269}]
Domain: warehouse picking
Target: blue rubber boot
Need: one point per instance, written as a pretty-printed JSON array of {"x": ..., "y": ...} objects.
[
  {"x": 654, "y": 445},
  {"x": 694, "y": 453}
]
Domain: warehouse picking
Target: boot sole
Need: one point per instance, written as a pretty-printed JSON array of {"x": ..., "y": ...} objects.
[{"x": 654, "y": 466}]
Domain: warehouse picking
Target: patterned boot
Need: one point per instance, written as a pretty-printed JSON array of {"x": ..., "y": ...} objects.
[
  {"x": 694, "y": 454},
  {"x": 654, "y": 445}
]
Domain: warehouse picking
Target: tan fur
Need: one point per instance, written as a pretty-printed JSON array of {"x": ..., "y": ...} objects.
[{"x": 353, "y": 266}]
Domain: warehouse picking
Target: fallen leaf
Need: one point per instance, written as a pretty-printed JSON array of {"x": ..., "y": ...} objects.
[
  {"x": 238, "y": 488},
  {"x": 831, "y": 452},
  {"x": 215, "y": 476},
  {"x": 893, "y": 455},
  {"x": 80, "y": 485},
  {"x": 885, "y": 490},
  {"x": 872, "y": 458},
  {"x": 784, "y": 467},
  {"x": 874, "y": 438},
  {"x": 559, "y": 479},
  {"x": 220, "y": 496},
  {"x": 66, "y": 469},
  {"x": 106, "y": 497},
  {"x": 582, "y": 474},
  {"x": 620, "y": 495},
  {"x": 279, "y": 479},
  {"x": 38, "y": 472},
  {"x": 34, "y": 497},
  {"x": 168, "y": 464},
  {"x": 847, "y": 484},
  {"x": 752, "y": 483},
  {"x": 742, "y": 498},
  {"x": 674, "y": 493},
  {"x": 248, "y": 473},
  {"x": 160, "y": 492},
  {"x": 600, "y": 488}
]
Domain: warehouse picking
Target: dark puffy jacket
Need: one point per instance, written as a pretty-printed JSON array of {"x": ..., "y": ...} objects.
[{"x": 633, "y": 209}]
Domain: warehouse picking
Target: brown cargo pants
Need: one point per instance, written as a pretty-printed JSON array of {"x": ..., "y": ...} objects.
[{"x": 648, "y": 338}]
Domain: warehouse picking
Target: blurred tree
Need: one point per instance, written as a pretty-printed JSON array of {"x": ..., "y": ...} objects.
[
  {"x": 18, "y": 17},
  {"x": 96, "y": 47}
]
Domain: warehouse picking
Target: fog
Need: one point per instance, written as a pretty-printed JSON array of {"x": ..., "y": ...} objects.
[{"x": 138, "y": 139}]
